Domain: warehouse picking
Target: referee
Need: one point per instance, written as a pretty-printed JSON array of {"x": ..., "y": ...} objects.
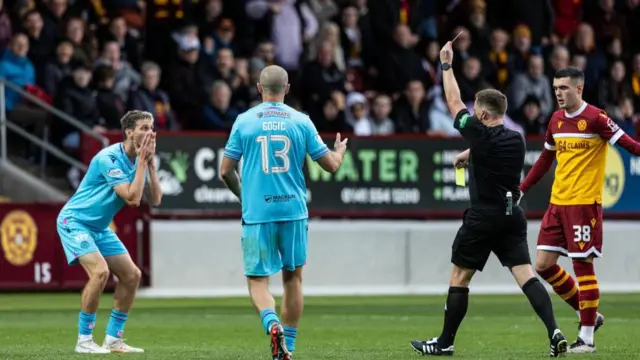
[{"x": 494, "y": 222}]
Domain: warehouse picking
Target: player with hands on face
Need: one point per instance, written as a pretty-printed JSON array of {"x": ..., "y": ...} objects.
[{"x": 117, "y": 176}]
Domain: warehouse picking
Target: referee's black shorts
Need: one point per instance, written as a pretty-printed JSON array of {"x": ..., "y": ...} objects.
[{"x": 488, "y": 230}]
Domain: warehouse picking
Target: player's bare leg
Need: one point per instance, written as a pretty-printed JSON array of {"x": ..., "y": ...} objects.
[
  {"x": 128, "y": 281},
  {"x": 265, "y": 304},
  {"x": 98, "y": 273},
  {"x": 454, "y": 312},
  {"x": 561, "y": 281},
  {"x": 589, "y": 301},
  {"x": 292, "y": 305},
  {"x": 541, "y": 303}
]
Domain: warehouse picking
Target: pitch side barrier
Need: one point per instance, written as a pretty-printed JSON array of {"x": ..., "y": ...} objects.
[{"x": 196, "y": 258}]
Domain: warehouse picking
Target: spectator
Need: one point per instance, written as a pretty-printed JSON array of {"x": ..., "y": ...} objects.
[
  {"x": 606, "y": 21},
  {"x": 186, "y": 83},
  {"x": 478, "y": 30},
  {"x": 119, "y": 32},
  {"x": 534, "y": 83},
  {"x": 324, "y": 10},
  {"x": 75, "y": 31},
  {"x": 78, "y": 100},
  {"x": 353, "y": 39},
  {"x": 411, "y": 112},
  {"x": 218, "y": 115},
  {"x": 498, "y": 63},
  {"x": 151, "y": 99},
  {"x": 535, "y": 15},
  {"x": 265, "y": 52},
  {"x": 559, "y": 59},
  {"x": 211, "y": 15},
  {"x": 59, "y": 68},
  {"x": 321, "y": 78},
  {"x": 531, "y": 118},
  {"x": 471, "y": 80},
  {"x": 635, "y": 81},
  {"x": 53, "y": 12},
  {"x": 584, "y": 43},
  {"x": 224, "y": 35},
  {"x": 401, "y": 63},
  {"x": 6, "y": 32},
  {"x": 461, "y": 47},
  {"x": 110, "y": 105},
  {"x": 357, "y": 114},
  {"x": 568, "y": 14},
  {"x": 40, "y": 45},
  {"x": 330, "y": 32},
  {"x": 625, "y": 116},
  {"x": 225, "y": 69},
  {"x": 614, "y": 87},
  {"x": 521, "y": 47},
  {"x": 381, "y": 123},
  {"x": 614, "y": 50},
  {"x": 255, "y": 67},
  {"x": 127, "y": 78},
  {"x": 387, "y": 15},
  {"x": 16, "y": 67},
  {"x": 333, "y": 117},
  {"x": 291, "y": 24},
  {"x": 440, "y": 120},
  {"x": 431, "y": 64},
  {"x": 633, "y": 30}
]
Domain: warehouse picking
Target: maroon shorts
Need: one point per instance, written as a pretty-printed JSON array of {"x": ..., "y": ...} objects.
[{"x": 572, "y": 230}]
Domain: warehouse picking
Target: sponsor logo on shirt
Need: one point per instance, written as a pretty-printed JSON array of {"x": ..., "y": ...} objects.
[
  {"x": 278, "y": 198},
  {"x": 115, "y": 173}
]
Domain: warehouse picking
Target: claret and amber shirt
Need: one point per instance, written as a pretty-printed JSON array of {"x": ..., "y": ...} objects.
[{"x": 580, "y": 142}]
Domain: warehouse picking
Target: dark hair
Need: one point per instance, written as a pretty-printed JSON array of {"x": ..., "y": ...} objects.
[
  {"x": 130, "y": 119},
  {"x": 26, "y": 15},
  {"x": 571, "y": 72},
  {"x": 103, "y": 73},
  {"x": 493, "y": 100}
]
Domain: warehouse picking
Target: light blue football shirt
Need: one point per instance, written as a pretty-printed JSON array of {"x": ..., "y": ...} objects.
[
  {"x": 273, "y": 139},
  {"x": 95, "y": 203}
]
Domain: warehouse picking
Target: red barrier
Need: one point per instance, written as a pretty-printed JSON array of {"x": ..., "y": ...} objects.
[{"x": 32, "y": 255}]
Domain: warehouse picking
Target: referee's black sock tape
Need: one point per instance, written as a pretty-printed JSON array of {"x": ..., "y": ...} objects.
[
  {"x": 454, "y": 313},
  {"x": 541, "y": 303}
]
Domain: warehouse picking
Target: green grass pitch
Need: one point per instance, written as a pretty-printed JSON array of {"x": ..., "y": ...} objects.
[{"x": 43, "y": 327}]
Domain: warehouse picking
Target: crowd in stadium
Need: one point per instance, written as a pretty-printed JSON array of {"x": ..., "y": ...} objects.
[{"x": 370, "y": 67}]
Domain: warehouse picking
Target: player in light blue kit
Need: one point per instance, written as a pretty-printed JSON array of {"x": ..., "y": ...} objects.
[
  {"x": 116, "y": 176},
  {"x": 274, "y": 140}
]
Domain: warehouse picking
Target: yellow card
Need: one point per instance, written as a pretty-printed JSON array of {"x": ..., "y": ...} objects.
[{"x": 460, "y": 177}]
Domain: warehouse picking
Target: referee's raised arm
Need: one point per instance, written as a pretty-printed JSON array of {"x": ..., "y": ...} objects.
[{"x": 451, "y": 89}]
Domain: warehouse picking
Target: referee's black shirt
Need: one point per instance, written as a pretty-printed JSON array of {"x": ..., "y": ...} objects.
[{"x": 495, "y": 163}]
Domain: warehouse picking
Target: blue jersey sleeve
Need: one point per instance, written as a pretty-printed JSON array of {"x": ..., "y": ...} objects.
[
  {"x": 233, "y": 150},
  {"x": 316, "y": 148},
  {"x": 111, "y": 171}
]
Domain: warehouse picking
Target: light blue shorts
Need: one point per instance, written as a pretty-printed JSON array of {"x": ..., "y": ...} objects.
[
  {"x": 270, "y": 247},
  {"x": 78, "y": 240}
]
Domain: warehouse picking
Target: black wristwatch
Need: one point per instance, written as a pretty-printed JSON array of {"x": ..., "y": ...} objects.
[{"x": 445, "y": 66}]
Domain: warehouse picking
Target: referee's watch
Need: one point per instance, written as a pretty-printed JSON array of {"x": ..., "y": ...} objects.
[{"x": 445, "y": 66}]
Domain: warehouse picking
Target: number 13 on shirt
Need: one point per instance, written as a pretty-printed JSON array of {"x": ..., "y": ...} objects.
[{"x": 267, "y": 143}]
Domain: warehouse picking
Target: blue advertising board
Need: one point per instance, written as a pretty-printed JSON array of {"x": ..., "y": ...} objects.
[{"x": 621, "y": 193}]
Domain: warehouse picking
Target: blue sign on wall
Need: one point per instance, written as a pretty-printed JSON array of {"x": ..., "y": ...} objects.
[{"x": 621, "y": 191}]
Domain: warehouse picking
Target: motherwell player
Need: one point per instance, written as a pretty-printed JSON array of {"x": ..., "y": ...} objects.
[{"x": 577, "y": 137}]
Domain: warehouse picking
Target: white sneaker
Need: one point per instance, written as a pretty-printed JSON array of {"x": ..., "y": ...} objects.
[
  {"x": 90, "y": 347},
  {"x": 119, "y": 346}
]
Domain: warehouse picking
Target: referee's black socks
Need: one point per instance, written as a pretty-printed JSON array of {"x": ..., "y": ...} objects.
[
  {"x": 454, "y": 312},
  {"x": 541, "y": 303}
]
